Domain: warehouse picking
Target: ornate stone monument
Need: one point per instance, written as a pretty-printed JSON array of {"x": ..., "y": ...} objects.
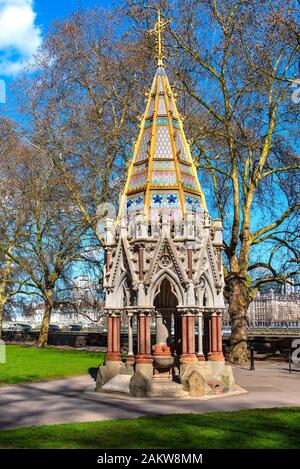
[{"x": 164, "y": 266}]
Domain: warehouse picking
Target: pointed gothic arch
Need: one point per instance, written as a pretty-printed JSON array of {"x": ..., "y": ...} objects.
[
  {"x": 122, "y": 298},
  {"x": 206, "y": 293},
  {"x": 174, "y": 283}
]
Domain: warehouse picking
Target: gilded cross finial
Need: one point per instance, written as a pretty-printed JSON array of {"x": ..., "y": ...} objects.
[{"x": 158, "y": 29}]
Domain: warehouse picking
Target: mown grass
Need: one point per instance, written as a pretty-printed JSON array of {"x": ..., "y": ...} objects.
[
  {"x": 28, "y": 364},
  {"x": 259, "y": 428}
]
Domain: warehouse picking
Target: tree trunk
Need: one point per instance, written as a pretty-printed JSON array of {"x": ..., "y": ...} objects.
[
  {"x": 237, "y": 297},
  {"x": 43, "y": 337},
  {"x": 1, "y": 316}
]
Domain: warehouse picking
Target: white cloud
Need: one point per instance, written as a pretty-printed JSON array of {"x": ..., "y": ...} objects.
[{"x": 20, "y": 37}]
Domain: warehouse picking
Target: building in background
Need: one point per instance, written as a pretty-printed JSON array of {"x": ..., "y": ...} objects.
[
  {"x": 275, "y": 305},
  {"x": 81, "y": 303}
]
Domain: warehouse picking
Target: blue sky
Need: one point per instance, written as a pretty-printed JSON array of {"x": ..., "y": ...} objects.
[{"x": 23, "y": 24}]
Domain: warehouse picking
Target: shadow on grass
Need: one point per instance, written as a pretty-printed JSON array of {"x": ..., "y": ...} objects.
[{"x": 259, "y": 428}]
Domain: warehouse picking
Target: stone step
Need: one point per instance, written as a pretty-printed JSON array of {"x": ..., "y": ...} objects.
[{"x": 167, "y": 388}]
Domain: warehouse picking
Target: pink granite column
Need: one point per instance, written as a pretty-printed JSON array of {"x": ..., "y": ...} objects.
[
  {"x": 144, "y": 338},
  {"x": 215, "y": 351},
  {"x": 113, "y": 338},
  {"x": 188, "y": 354}
]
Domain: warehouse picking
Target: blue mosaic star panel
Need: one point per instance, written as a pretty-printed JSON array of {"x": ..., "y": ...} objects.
[
  {"x": 170, "y": 200},
  {"x": 193, "y": 203},
  {"x": 135, "y": 202}
]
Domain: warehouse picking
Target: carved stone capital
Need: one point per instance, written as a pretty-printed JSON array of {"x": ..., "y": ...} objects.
[
  {"x": 188, "y": 310},
  {"x": 114, "y": 312}
]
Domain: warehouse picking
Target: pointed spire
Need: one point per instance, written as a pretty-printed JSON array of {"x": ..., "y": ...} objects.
[{"x": 162, "y": 175}]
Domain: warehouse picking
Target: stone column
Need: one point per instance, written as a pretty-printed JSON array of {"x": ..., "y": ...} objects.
[
  {"x": 107, "y": 259},
  {"x": 141, "y": 262},
  {"x": 188, "y": 354},
  {"x": 190, "y": 263},
  {"x": 200, "y": 354},
  {"x": 144, "y": 359},
  {"x": 130, "y": 356},
  {"x": 215, "y": 352},
  {"x": 113, "y": 337}
]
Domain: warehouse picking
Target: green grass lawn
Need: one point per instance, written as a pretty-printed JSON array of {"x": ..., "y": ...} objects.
[
  {"x": 259, "y": 428},
  {"x": 27, "y": 364}
]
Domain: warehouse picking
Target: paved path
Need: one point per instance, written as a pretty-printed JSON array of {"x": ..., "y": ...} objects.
[{"x": 270, "y": 385}]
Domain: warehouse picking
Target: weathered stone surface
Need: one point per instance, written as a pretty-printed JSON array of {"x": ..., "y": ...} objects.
[
  {"x": 187, "y": 370},
  {"x": 162, "y": 387},
  {"x": 196, "y": 384},
  {"x": 140, "y": 384},
  {"x": 217, "y": 386},
  {"x": 103, "y": 376},
  {"x": 107, "y": 372},
  {"x": 119, "y": 383}
]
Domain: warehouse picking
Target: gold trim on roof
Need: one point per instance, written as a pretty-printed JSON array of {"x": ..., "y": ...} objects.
[{"x": 158, "y": 29}]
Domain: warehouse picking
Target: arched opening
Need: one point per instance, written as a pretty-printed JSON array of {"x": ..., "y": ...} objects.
[{"x": 165, "y": 303}]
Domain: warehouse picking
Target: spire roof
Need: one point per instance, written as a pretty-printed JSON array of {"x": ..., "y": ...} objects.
[{"x": 162, "y": 174}]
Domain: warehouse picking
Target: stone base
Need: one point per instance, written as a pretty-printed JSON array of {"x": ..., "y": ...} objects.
[
  {"x": 145, "y": 366},
  {"x": 197, "y": 379},
  {"x": 140, "y": 384},
  {"x": 119, "y": 383},
  {"x": 107, "y": 372},
  {"x": 167, "y": 388},
  {"x": 206, "y": 378}
]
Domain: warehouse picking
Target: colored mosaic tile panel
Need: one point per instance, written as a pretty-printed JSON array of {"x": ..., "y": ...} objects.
[
  {"x": 170, "y": 200},
  {"x": 175, "y": 123},
  {"x": 151, "y": 107},
  {"x": 164, "y": 178},
  {"x": 193, "y": 203},
  {"x": 135, "y": 202},
  {"x": 159, "y": 165},
  {"x": 180, "y": 147},
  {"x": 189, "y": 182},
  {"x": 161, "y": 110},
  {"x": 141, "y": 168},
  {"x": 162, "y": 121},
  {"x": 138, "y": 181},
  {"x": 144, "y": 146},
  {"x": 186, "y": 169},
  {"x": 163, "y": 144},
  {"x": 161, "y": 86},
  {"x": 148, "y": 123}
]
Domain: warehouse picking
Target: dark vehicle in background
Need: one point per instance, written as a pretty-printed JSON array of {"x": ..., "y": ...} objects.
[
  {"x": 75, "y": 328},
  {"x": 54, "y": 328},
  {"x": 12, "y": 327},
  {"x": 23, "y": 326}
]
